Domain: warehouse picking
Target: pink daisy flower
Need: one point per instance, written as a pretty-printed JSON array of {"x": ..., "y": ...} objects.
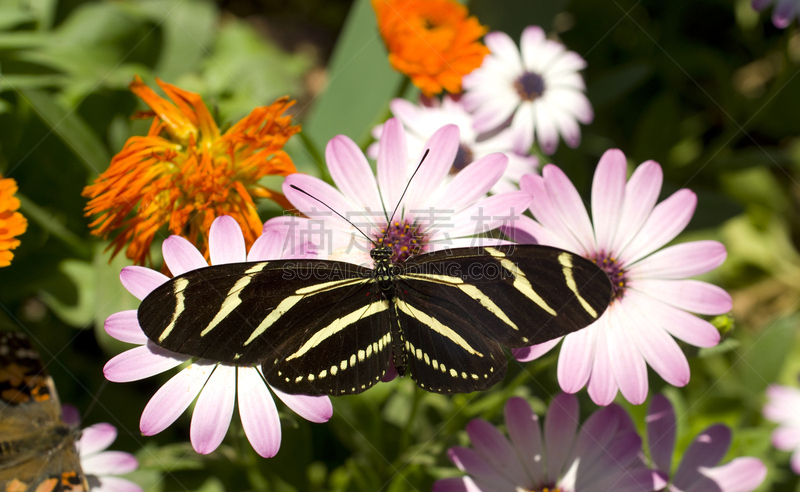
[
  {"x": 602, "y": 456},
  {"x": 98, "y": 465},
  {"x": 422, "y": 121},
  {"x": 697, "y": 471},
  {"x": 434, "y": 214},
  {"x": 537, "y": 86},
  {"x": 785, "y": 10},
  {"x": 783, "y": 408},
  {"x": 216, "y": 384},
  {"x": 652, "y": 297}
]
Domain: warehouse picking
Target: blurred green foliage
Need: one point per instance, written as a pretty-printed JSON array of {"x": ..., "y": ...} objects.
[{"x": 707, "y": 88}]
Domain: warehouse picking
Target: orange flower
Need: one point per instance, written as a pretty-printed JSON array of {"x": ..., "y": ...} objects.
[
  {"x": 12, "y": 223},
  {"x": 431, "y": 41},
  {"x": 184, "y": 173}
]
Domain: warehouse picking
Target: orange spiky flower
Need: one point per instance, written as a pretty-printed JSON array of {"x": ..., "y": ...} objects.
[
  {"x": 184, "y": 173},
  {"x": 12, "y": 223},
  {"x": 431, "y": 41}
]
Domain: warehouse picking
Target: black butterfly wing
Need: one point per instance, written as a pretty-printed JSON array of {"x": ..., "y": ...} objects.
[
  {"x": 518, "y": 295},
  {"x": 445, "y": 352},
  {"x": 316, "y": 327}
]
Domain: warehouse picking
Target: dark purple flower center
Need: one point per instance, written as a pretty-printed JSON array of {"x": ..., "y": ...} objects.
[
  {"x": 404, "y": 239},
  {"x": 529, "y": 86},
  {"x": 464, "y": 156},
  {"x": 615, "y": 273}
]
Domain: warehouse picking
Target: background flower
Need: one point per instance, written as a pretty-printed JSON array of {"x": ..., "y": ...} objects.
[
  {"x": 12, "y": 223},
  {"x": 431, "y": 41},
  {"x": 783, "y": 408},
  {"x": 185, "y": 172},
  {"x": 652, "y": 297},
  {"x": 785, "y": 10},
  {"x": 602, "y": 455},
  {"x": 422, "y": 121},
  {"x": 214, "y": 385},
  {"x": 697, "y": 471},
  {"x": 539, "y": 89}
]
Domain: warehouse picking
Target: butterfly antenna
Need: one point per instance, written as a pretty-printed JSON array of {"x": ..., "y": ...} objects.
[
  {"x": 334, "y": 211},
  {"x": 407, "y": 185}
]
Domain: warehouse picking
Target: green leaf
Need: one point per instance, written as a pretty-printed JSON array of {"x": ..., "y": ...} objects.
[
  {"x": 81, "y": 313},
  {"x": 764, "y": 355},
  {"x": 360, "y": 82},
  {"x": 71, "y": 129},
  {"x": 51, "y": 224}
]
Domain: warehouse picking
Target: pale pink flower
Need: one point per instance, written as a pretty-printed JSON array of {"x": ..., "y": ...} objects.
[
  {"x": 783, "y": 408},
  {"x": 785, "y": 10},
  {"x": 652, "y": 297},
  {"x": 698, "y": 470},
  {"x": 537, "y": 86},
  {"x": 421, "y": 122},
  {"x": 602, "y": 456},
  {"x": 216, "y": 384}
]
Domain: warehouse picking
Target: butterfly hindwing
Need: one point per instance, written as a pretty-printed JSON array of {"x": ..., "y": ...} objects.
[
  {"x": 518, "y": 295},
  {"x": 37, "y": 449}
]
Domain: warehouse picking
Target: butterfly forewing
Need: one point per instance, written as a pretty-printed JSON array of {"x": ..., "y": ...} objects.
[
  {"x": 244, "y": 312},
  {"x": 518, "y": 295}
]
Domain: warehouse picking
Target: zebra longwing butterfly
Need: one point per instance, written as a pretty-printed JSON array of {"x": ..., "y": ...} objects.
[{"x": 329, "y": 327}]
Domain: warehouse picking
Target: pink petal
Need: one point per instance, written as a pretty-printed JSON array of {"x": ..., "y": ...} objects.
[
  {"x": 392, "y": 162},
  {"x": 109, "y": 463},
  {"x": 573, "y": 101},
  {"x": 455, "y": 484},
  {"x": 527, "y": 354},
  {"x": 659, "y": 349},
  {"x": 174, "y": 397},
  {"x": 530, "y": 43},
  {"x": 608, "y": 195},
  {"x": 678, "y": 323},
  {"x": 641, "y": 195},
  {"x": 627, "y": 364},
  {"x": 260, "y": 419},
  {"x": 706, "y": 450},
  {"x": 795, "y": 462},
  {"x": 661, "y": 430},
  {"x": 560, "y": 426},
  {"x": 485, "y": 215},
  {"x": 473, "y": 182},
  {"x": 786, "y": 438},
  {"x": 214, "y": 409},
  {"x": 525, "y": 230},
  {"x": 141, "y": 362},
  {"x": 268, "y": 246},
  {"x": 611, "y": 465},
  {"x": 576, "y": 359},
  {"x": 783, "y": 13},
  {"x": 526, "y": 436},
  {"x": 325, "y": 193},
  {"x": 495, "y": 449},
  {"x": 567, "y": 127},
  {"x": 783, "y": 403},
  {"x": 226, "y": 241},
  {"x": 689, "y": 295},
  {"x": 680, "y": 261},
  {"x": 740, "y": 475},
  {"x": 351, "y": 173},
  {"x": 316, "y": 409},
  {"x": 471, "y": 462},
  {"x": 140, "y": 281},
  {"x": 569, "y": 205},
  {"x": 181, "y": 256},
  {"x": 546, "y": 133},
  {"x": 443, "y": 146},
  {"x": 602, "y": 385},
  {"x": 124, "y": 326},
  {"x": 666, "y": 221},
  {"x": 96, "y": 438},
  {"x": 115, "y": 484},
  {"x": 545, "y": 212},
  {"x": 504, "y": 48},
  {"x": 594, "y": 437},
  {"x": 496, "y": 111}
]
